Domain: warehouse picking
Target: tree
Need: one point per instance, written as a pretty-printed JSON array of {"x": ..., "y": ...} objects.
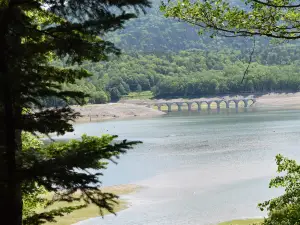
[
  {"x": 32, "y": 199},
  {"x": 34, "y": 33},
  {"x": 65, "y": 168},
  {"x": 284, "y": 210},
  {"x": 271, "y": 18}
]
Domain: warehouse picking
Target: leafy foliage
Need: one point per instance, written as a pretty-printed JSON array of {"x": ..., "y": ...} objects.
[
  {"x": 284, "y": 210},
  {"x": 32, "y": 198},
  {"x": 74, "y": 178},
  {"x": 152, "y": 42},
  {"x": 195, "y": 73},
  {"x": 274, "y": 18},
  {"x": 154, "y": 33}
]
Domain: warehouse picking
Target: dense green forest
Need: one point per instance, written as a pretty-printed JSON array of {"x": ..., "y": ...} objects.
[
  {"x": 171, "y": 59},
  {"x": 192, "y": 73}
]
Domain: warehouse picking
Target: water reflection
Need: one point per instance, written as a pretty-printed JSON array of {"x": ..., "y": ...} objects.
[{"x": 226, "y": 111}]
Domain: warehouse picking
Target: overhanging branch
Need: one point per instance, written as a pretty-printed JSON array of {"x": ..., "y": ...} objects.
[
  {"x": 276, "y": 6},
  {"x": 250, "y": 61}
]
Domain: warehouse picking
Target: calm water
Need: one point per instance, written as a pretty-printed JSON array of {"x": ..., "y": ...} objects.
[{"x": 198, "y": 168}]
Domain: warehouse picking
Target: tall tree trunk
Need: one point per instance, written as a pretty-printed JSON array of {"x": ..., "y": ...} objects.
[{"x": 10, "y": 188}]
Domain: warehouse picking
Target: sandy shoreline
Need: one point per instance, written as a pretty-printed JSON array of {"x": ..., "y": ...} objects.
[
  {"x": 279, "y": 101},
  {"x": 111, "y": 111},
  {"x": 139, "y": 108}
]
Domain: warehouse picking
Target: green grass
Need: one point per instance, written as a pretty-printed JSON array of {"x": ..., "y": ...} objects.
[
  {"x": 139, "y": 95},
  {"x": 92, "y": 210},
  {"x": 243, "y": 222}
]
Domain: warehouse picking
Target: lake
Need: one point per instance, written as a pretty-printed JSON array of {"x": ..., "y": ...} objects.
[{"x": 198, "y": 168}]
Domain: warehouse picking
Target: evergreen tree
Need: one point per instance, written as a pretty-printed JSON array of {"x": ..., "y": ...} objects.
[
  {"x": 65, "y": 168},
  {"x": 32, "y": 34}
]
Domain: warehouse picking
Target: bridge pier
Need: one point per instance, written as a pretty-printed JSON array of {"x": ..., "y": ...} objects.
[
  {"x": 208, "y": 105},
  {"x": 236, "y": 104},
  {"x": 218, "y": 105},
  {"x": 199, "y": 106},
  {"x": 159, "y": 107},
  {"x": 169, "y": 107},
  {"x": 179, "y": 104},
  {"x": 189, "y": 106},
  {"x": 218, "y": 102},
  {"x": 227, "y": 104}
]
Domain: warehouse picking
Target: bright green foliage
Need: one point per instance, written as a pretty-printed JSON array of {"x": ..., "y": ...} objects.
[
  {"x": 32, "y": 199},
  {"x": 30, "y": 141},
  {"x": 78, "y": 162},
  {"x": 197, "y": 73},
  {"x": 273, "y": 18},
  {"x": 285, "y": 209}
]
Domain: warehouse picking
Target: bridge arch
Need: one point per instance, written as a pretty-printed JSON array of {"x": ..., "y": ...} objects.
[
  {"x": 199, "y": 105},
  {"x": 251, "y": 101},
  {"x": 233, "y": 103},
  {"x": 185, "y": 106},
  {"x": 158, "y": 106},
  {"x": 204, "y": 105},
  {"x": 214, "y": 104},
  {"x": 154, "y": 106},
  {"x": 223, "y": 104},
  {"x": 174, "y": 106},
  {"x": 242, "y": 103},
  {"x": 163, "y": 106},
  {"x": 194, "y": 106},
  {"x": 180, "y": 105}
]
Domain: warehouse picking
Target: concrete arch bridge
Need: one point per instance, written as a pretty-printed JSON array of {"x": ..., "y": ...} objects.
[{"x": 246, "y": 103}]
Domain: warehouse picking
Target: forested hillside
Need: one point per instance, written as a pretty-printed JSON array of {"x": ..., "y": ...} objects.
[
  {"x": 171, "y": 59},
  {"x": 192, "y": 73},
  {"x": 153, "y": 33}
]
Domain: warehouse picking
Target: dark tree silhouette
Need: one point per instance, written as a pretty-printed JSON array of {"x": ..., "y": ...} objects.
[{"x": 34, "y": 33}]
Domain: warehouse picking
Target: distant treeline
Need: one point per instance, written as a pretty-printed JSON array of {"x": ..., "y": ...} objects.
[
  {"x": 191, "y": 73},
  {"x": 156, "y": 59}
]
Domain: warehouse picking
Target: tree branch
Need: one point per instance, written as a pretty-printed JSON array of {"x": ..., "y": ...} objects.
[
  {"x": 250, "y": 60},
  {"x": 243, "y": 33},
  {"x": 275, "y": 6}
]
